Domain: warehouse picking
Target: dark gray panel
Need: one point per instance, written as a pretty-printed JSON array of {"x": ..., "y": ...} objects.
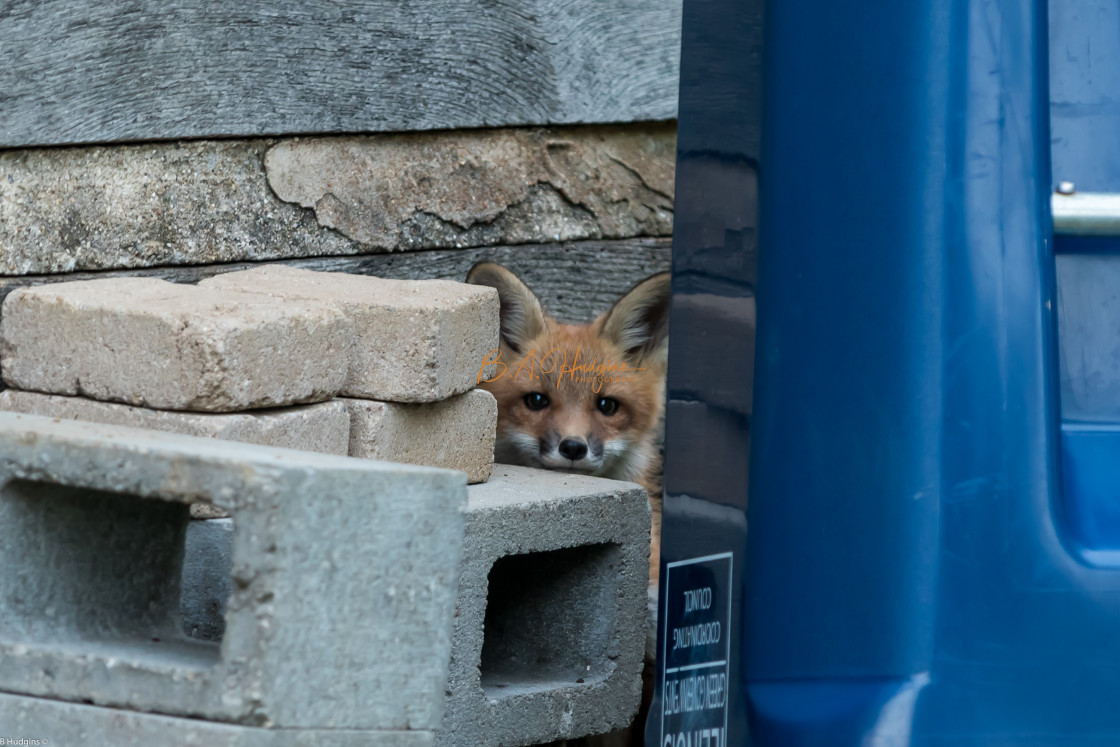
[
  {"x": 76, "y": 71},
  {"x": 574, "y": 281}
]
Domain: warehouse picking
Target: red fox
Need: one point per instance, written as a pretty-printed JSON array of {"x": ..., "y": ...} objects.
[
  {"x": 585, "y": 398},
  {"x": 582, "y": 398}
]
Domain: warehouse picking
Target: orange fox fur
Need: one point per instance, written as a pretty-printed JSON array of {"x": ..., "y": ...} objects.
[{"x": 582, "y": 398}]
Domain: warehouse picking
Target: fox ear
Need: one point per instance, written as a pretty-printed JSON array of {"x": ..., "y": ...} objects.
[
  {"x": 522, "y": 317},
  {"x": 639, "y": 321}
]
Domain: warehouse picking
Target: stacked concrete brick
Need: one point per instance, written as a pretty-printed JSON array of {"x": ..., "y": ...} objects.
[
  {"x": 417, "y": 353},
  {"x": 543, "y": 641},
  {"x": 328, "y": 362}
]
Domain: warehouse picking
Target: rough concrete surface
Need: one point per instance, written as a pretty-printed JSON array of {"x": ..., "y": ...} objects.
[
  {"x": 208, "y": 511},
  {"x": 457, "y": 433},
  {"x": 413, "y": 341},
  {"x": 338, "y": 617},
  {"x": 71, "y": 725},
  {"x": 132, "y": 206},
  {"x": 66, "y": 209},
  {"x": 550, "y": 631},
  {"x": 164, "y": 345},
  {"x": 477, "y": 188},
  {"x": 323, "y": 427}
]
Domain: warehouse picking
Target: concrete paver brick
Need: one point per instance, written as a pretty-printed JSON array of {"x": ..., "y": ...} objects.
[
  {"x": 457, "y": 433},
  {"x": 323, "y": 427},
  {"x": 414, "y": 340},
  {"x": 149, "y": 342}
]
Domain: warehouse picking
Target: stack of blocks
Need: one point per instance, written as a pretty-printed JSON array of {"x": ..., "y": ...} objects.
[
  {"x": 328, "y": 362},
  {"x": 356, "y": 601}
]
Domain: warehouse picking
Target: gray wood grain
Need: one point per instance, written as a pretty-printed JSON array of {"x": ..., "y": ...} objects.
[
  {"x": 575, "y": 281},
  {"x": 74, "y": 71}
]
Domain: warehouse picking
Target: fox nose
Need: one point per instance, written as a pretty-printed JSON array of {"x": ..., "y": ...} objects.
[{"x": 573, "y": 449}]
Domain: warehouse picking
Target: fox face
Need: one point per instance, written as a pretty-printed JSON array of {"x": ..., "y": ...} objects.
[{"x": 579, "y": 398}]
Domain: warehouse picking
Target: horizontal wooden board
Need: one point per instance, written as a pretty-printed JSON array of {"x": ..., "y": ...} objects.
[
  {"x": 575, "y": 281},
  {"x": 80, "y": 71}
]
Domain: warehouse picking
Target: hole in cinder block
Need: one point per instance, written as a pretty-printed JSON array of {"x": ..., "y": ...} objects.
[
  {"x": 96, "y": 573},
  {"x": 550, "y": 620},
  {"x": 207, "y": 578}
]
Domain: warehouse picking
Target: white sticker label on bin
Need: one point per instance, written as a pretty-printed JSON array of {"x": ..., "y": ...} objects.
[{"x": 697, "y": 652}]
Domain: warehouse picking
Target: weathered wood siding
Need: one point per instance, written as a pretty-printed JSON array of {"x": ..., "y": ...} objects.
[
  {"x": 575, "y": 281},
  {"x": 81, "y": 71}
]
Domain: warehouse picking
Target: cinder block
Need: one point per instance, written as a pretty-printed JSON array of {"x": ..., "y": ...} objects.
[
  {"x": 322, "y": 427},
  {"x": 343, "y": 580},
  {"x": 64, "y": 724},
  {"x": 457, "y": 433},
  {"x": 552, "y": 611},
  {"x": 415, "y": 340},
  {"x": 550, "y": 632},
  {"x": 149, "y": 342}
]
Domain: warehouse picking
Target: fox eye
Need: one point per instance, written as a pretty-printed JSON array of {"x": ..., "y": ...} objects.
[
  {"x": 607, "y": 405},
  {"x": 536, "y": 401}
]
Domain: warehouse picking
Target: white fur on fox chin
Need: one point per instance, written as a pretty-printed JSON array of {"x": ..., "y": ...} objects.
[{"x": 622, "y": 459}]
